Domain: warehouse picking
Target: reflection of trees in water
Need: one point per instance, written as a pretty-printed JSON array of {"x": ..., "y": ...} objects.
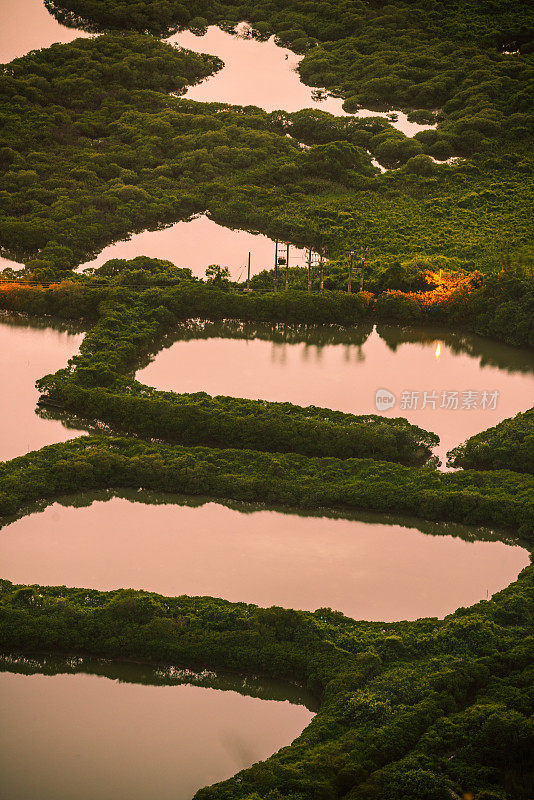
[
  {"x": 14, "y": 320},
  {"x": 489, "y": 353},
  {"x": 283, "y": 332},
  {"x": 132, "y": 672},
  {"x": 73, "y": 422},
  {"x": 276, "y": 332},
  {"x": 70, "y": 19},
  {"x": 467, "y": 533}
]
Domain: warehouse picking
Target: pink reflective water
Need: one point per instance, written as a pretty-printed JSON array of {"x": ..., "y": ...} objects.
[
  {"x": 27, "y": 352},
  {"x": 199, "y": 243},
  {"x": 26, "y": 25},
  {"x": 346, "y": 377},
  {"x": 265, "y": 75},
  {"x": 255, "y": 73},
  {"x": 368, "y": 570},
  {"x": 92, "y": 738}
]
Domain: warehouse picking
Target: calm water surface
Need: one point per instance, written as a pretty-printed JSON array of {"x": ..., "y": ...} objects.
[
  {"x": 199, "y": 243},
  {"x": 26, "y": 25},
  {"x": 112, "y": 734},
  {"x": 29, "y": 350},
  {"x": 367, "y": 569},
  {"x": 255, "y": 73},
  {"x": 265, "y": 75},
  {"x": 345, "y": 376}
]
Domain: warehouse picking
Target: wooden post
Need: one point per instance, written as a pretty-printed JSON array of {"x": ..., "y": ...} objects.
[
  {"x": 287, "y": 266},
  {"x": 309, "y": 268},
  {"x": 349, "y": 286},
  {"x": 364, "y": 254},
  {"x": 248, "y": 274}
]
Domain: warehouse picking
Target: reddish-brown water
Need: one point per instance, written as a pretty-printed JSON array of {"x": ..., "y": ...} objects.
[
  {"x": 29, "y": 350},
  {"x": 366, "y": 569},
  {"x": 93, "y": 737},
  {"x": 347, "y": 376}
]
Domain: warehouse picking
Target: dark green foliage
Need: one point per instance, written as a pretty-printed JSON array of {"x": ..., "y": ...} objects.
[
  {"x": 509, "y": 445},
  {"x": 501, "y": 499},
  {"x": 499, "y": 305},
  {"x": 390, "y": 717},
  {"x": 412, "y": 54},
  {"x": 94, "y": 147}
]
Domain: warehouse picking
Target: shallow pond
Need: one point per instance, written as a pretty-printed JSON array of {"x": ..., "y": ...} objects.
[
  {"x": 369, "y": 568},
  {"x": 27, "y": 25},
  {"x": 107, "y": 731},
  {"x": 259, "y": 73},
  {"x": 29, "y": 350},
  {"x": 343, "y": 369},
  {"x": 199, "y": 243}
]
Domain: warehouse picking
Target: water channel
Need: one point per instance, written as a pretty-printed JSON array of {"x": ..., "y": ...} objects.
[
  {"x": 96, "y": 730},
  {"x": 343, "y": 368},
  {"x": 260, "y": 73},
  {"x": 369, "y": 567},
  {"x": 29, "y": 350}
]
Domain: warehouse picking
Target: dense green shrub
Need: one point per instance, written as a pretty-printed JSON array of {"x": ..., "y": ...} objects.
[
  {"x": 95, "y": 147},
  {"x": 389, "y": 717},
  {"x": 509, "y": 445},
  {"x": 98, "y": 384},
  {"x": 407, "y": 54},
  {"x": 501, "y": 499}
]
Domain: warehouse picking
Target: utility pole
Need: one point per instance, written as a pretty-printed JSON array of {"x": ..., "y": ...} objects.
[
  {"x": 365, "y": 250},
  {"x": 349, "y": 285},
  {"x": 287, "y": 266},
  {"x": 321, "y": 269},
  {"x": 248, "y": 274},
  {"x": 276, "y": 266},
  {"x": 309, "y": 268}
]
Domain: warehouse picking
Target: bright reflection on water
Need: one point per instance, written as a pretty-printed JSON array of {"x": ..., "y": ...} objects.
[
  {"x": 367, "y": 569},
  {"x": 113, "y": 734},
  {"x": 26, "y": 25},
  {"x": 29, "y": 350},
  {"x": 199, "y": 243},
  {"x": 265, "y": 75},
  {"x": 345, "y": 376}
]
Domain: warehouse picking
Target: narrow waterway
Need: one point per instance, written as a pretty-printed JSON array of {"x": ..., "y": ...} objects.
[
  {"x": 260, "y": 73},
  {"x": 455, "y": 371},
  {"x": 369, "y": 568},
  {"x": 99, "y": 731},
  {"x": 28, "y": 351}
]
